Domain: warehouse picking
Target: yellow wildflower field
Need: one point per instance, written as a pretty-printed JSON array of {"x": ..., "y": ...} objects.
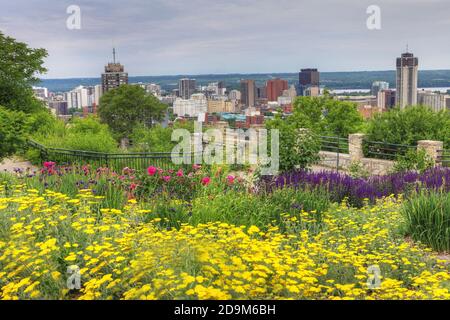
[{"x": 120, "y": 256}]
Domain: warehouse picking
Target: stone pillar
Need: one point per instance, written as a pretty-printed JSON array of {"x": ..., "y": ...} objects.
[
  {"x": 355, "y": 144},
  {"x": 433, "y": 149}
]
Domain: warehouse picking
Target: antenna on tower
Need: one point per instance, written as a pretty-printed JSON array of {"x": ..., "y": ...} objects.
[
  {"x": 407, "y": 47},
  {"x": 114, "y": 55}
]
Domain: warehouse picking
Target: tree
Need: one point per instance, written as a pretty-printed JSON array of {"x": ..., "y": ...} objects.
[
  {"x": 342, "y": 118},
  {"x": 19, "y": 68},
  {"x": 13, "y": 127},
  {"x": 128, "y": 106},
  {"x": 299, "y": 148},
  {"x": 410, "y": 125},
  {"x": 326, "y": 116}
]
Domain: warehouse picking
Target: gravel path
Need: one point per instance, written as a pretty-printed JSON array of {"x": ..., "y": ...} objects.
[{"x": 10, "y": 164}]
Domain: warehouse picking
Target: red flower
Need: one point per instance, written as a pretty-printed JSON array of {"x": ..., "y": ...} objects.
[
  {"x": 206, "y": 181},
  {"x": 49, "y": 164},
  {"x": 151, "y": 171}
]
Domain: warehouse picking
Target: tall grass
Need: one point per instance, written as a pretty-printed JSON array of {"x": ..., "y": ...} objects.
[{"x": 428, "y": 219}]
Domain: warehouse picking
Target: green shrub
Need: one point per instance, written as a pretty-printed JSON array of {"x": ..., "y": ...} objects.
[
  {"x": 428, "y": 219},
  {"x": 414, "y": 160}
]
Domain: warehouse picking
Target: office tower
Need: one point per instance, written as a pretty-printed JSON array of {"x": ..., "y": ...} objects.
[
  {"x": 275, "y": 88},
  {"x": 309, "y": 79},
  {"x": 386, "y": 99},
  {"x": 114, "y": 75},
  {"x": 434, "y": 100},
  {"x": 407, "y": 78},
  {"x": 248, "y": 93},
  {"x": 378, "y": 86},
  {"x": 186, "y": 88},
  {"x": 98, "y": 92},
  {"x": 234, "y": 95},
  {"x": 191, "y": 107}
]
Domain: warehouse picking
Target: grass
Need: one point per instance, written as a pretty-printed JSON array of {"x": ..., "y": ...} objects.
[{"x": 428, "y": 219}]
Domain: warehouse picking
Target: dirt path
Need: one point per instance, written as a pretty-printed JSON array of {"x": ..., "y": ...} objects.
[{"x": 9, "y": 165}]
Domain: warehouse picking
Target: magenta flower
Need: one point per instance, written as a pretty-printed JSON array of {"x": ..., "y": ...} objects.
[
  {"x": 231, "y": 179},
  {"x": 49, "y": 164},
  {"x": 166, "y": 178},
  {"x": 206, "y": 181},
  {"x": 180, "y": 173},
  {"x": 151, "y": 171}
]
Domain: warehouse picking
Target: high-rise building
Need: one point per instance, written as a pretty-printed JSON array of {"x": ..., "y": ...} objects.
[
  {"x": 191, "y": 107},
  {"x": 275, "y": 88},
  {"x": 220, "y": 106},
  {"x": 386, "y": 99},
  {"x": 186, "y": 88},
  {"x": 114, "y": 75},
  {"x": 407, "y": 78},
  {"x": 248, "y": 93},
  {"x": 234, "y": 95},
  {"x": 378, "y": 86},
  {"x": 309, "y": 79},
  {"x": 434, "y": 100}
]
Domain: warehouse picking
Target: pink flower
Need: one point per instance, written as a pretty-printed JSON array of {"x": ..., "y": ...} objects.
[
  {"x": 206, "y": 181},
  {"x": 196, "y": 167},
  {"x": 180, "y": 173},
  {"x": 133, "y": 186},
  {"x": 231, "y": 179},
  {"x": 166, "y": 178},
  {"x": 151, "y": 171},
  {"x": 49, "y": 164}
]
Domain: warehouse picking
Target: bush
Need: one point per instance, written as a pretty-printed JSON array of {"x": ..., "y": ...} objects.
[
  {"x": 410, "y": 125},
  {"x": 13, "y": 127},
  {"x": 414, "y": 160},
  {"x": 428, "y": 219}
]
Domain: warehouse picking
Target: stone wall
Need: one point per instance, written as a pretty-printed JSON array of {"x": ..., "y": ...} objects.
[{"x": 329, "y": 160}]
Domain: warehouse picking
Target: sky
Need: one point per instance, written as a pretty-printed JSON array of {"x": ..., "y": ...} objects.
[{"x": 173, "y": 37}]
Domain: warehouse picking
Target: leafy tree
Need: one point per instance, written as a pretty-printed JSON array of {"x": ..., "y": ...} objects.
[
  {"x": 128, "y": 106},
  {"x": 19, "y": 67},
  {"x": 299, "y": 148},
  {"x": 13, "y": 127},
  {"x": 410, "y": 125},
  {"x": 326, "y": 116},
  {"x": 342, "y": 118}
]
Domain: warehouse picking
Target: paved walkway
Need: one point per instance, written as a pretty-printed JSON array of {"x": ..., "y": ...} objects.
[{"x": 10, "y": 164}]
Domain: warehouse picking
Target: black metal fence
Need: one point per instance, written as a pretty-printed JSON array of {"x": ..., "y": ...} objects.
[
  {"x": 116, "y": 161},
  {"x": 384, "y": 150},
  {"x": 444, "y": 157}
]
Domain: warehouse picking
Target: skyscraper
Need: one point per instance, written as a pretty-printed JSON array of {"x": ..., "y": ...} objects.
[
  {"x": 378, "y": 86},
  {"x": 275, "y": 88},
  {"x": 309, "y": 79},
  {"x": 407, "y": 78},
  {"x": 248, "y": 93},
  {"x": 186, "y": 88},
  {"x": 114, "y": 75}
]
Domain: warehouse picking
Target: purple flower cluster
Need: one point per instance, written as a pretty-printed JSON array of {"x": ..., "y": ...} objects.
[{"x": 341, "y": 186}]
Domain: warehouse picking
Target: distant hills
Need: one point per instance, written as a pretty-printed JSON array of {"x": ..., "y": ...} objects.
[{"x": 332, "y": 80}]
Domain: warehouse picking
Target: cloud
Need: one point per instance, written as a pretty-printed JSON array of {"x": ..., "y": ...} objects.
[{"x": 157, "y": 37}]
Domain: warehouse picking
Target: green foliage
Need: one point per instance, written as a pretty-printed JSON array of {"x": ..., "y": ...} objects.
[
  {"x": 19, "y": 67},
  {"x": 156, "y": 138},
  {"x": 326, "y": 116},
  {"x": 86, "y": 134},
  {"x": 357, "y": 170},
  {"x": 13, "y": 128},
  {"x": 410, "y": 125},
  {"x": 414, "y": 160},
  {"x": 299, "y": 148},
  {"x": 428, "y": 219},
  {"x": 127, "y": 106}
]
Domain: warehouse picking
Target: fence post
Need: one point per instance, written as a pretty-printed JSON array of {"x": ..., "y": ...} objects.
[
  {"x": 355, "y": 146},
  {"x": 432, "y": 148}
]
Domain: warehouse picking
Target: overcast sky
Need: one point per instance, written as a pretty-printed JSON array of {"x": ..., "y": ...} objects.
[{"x": 165, "y": 37}]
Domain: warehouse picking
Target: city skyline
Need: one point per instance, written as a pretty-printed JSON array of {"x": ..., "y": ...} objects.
[{"x": 169, "y": 38}]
